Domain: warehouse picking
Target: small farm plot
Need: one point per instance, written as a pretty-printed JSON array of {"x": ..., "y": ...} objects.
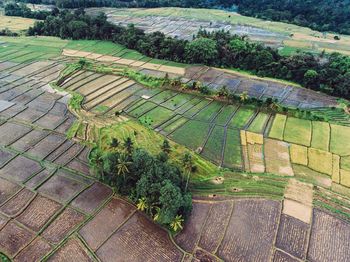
[
  {"x": 214, "y": 146},
  {"x": 169, "y": 128},
  {"x": 187, "y": 106},
  {"x": 97, "y": 92},
  {"x": 340, "y": 137},
  {"x": 259, "y": 123},
  {"x": 233, "y": 153},
  {"x": 241, "y": 117},
  {"x": 225, "y": 115},
  {"x": 106, "y": 92},
  {"x": 256, "y": 158},
  {"x": 103, "y": 47},
  {"x": 80, "y": 44},
  {"x": 320, "y": 161},
  {"x": 320, "y": 135},
  {"x": 163, "y": 96},
  {"x": 208, "y": 113},
  {"x": 195, "y": 109},
  {"x": 298, "y": 131},
  {"x": 156, "y": 116},
  {"x": 121, "y": 96},
  {"x": 192, "y": 134},
  {"x": 145, "y": 107},
  {"x": 277, "y": 157},
  {"x": 15, "y": 23},
  {"x": 76, "y": 79},
  {"x": 84, "y": 81},
  {"x": 96, "y": 84},
  {"x": 277, "y": 128},
  {"x": 177, "y": 101}
]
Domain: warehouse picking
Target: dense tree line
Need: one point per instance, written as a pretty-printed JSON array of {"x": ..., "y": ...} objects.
[
  {"x": 135, "y": 3},
  {"x": 326, "y": 73},
  {"x": 13, "y": 9},
  {"x": 151, "y": 182},
  {"x": 324, "y": 15}
]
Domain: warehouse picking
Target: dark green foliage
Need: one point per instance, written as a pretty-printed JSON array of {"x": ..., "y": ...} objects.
[
  {"x": 136, "y": 3},
  {"x": 166, "y": 146},
  {"x": 324, "y": 15},
  {"x": 115, "y": 143},
  {"x": 14, "y": 9},
  {"x": 150, "y": 178},
  {"x": 326, "y": 73}
]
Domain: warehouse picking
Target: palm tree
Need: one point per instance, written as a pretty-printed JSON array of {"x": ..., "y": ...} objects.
[
  {"x": 176, "y": 224},
  {"x": 187, "y": 161},
  {"x": 97, "y": 162},
  {"x": 142, "y": 204},
  {"x": 128, "y": 145},
  {"x": 244, "y": 96},
  {"x": 123, "y": 164},
  {"x": 166, "y": 146},
  {"x": 224, "y": 92},
  {"x": 157, "y": 214},
  {"x": 114, "y": 143}
]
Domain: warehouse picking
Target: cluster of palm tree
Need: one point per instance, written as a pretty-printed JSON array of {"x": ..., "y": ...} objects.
[{"x": 147, "y": 180}]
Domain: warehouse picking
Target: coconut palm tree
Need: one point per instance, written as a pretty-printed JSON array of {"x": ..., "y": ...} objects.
[
  {"x": 157, "y": 214},
  {"x": 244, "y": 96},
  {"x": 96, "y": 158},
  {"x": 176, "y": 224},
  {"x": 128, "y": 145},
  {"x": 142, "y": 204},
  {"x": 123, "y": 165}
]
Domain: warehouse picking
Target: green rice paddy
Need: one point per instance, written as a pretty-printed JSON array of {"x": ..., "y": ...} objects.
[
  {"x": 277, "y": 129},
  {"x": 298, "y": 131}
]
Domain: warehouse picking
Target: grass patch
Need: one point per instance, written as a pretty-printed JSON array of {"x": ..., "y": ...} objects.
[
  {"x": 73, "y": 130},
  {"x": 298, "y": 131},
  {"x": 145, "y": 80},
  {"x": 146, "y": 138},
  {"x": 4, "y": 258},
  {"x": 76, "y": 101},
  {"x": 242, "y": 185}
]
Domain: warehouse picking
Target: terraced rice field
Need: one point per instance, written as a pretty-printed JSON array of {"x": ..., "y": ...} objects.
[
  {"x": 209, "y": 127},
  {"x": 53, "y": 208},
  {"x": 212, "y": 128}
]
